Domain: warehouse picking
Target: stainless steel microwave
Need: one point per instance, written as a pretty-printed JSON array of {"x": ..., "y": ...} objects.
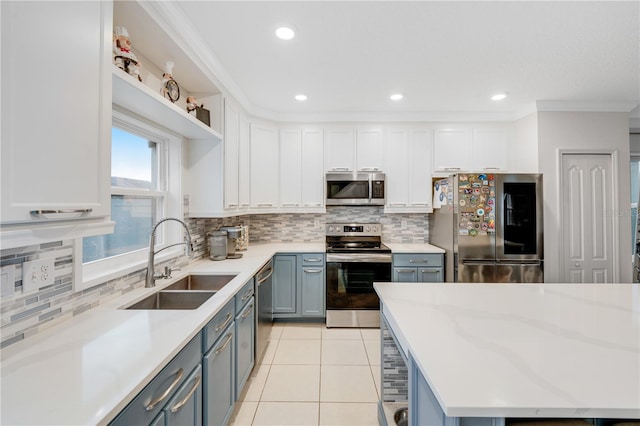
[{"x": 355, "y": 189}]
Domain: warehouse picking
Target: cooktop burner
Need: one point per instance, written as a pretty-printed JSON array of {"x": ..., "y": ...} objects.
[{"x": 354, "y": 237}]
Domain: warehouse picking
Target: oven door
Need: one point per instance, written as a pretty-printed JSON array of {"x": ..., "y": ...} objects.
[{"x": 350, "y": 279}]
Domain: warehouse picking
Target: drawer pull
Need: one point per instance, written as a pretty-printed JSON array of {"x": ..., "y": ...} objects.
[
  {"x": 226, "y": 343},
  {"x": 340, "y": 168},
  {"x": 429, "y": 271},
  {"x": 405, "y": 271},
  {"x": 167, "y": 392},
  {"x": 232, "y": 206},
  {"x": 312, "y": 271},
  {"x": 313, "y": 259},
  {"x": 249, "y": 310},
  {"x": 418, "y": 260},
  {"x": 182, "y": 403},
  {"x": 247, "y": 295},
  {"x": 224, "y": 324}
]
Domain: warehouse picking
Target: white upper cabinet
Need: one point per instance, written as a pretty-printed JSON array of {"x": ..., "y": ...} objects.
[
  {"x": 264, "y": 167},
  {"x": 340, "y": 149},
  {"x": 370, "y": 149},
  {"x": 408, "y": 180},
  {"x": 312, "y": 169},
  {"x": 492, "y": 149},
  {"x": 231, "y": 156},
  {"x": 244, "y": 162},
  {"x": 56, "y": 111},
  {"x": 452, "y": 149},
  {"x": 290, "y": 168},
  {"x": 301, "y": 170}
]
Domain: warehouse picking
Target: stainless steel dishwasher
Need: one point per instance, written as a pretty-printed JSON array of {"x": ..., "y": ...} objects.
[{"x": 264, "y": 319}]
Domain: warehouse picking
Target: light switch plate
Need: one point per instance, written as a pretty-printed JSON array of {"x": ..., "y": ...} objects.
[
  {"x": 8, "y": 275},
  {"x": 37, "y": 273}
]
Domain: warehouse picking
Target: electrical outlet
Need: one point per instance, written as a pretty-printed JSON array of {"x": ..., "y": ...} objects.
[
  {"x": 8, "y": 275},
  {"x": 37, "y": 273}
]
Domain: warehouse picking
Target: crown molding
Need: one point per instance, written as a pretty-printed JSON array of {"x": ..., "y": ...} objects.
[{"x": 587, "y": 106}]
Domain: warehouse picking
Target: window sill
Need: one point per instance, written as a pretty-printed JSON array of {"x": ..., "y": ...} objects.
[{"x": 91, "y": 278}]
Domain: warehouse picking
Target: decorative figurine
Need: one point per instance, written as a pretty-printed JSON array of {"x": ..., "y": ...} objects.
[
  {"x": 170, "y": 88},
  {"x": 192, "y": 103},
  {"x": 123, "y": 57}
]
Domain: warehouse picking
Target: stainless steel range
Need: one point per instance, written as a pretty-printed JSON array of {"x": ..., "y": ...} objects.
[{"x": 356, "y": 258}]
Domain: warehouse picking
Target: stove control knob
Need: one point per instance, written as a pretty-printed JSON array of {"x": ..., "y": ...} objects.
[
  {"x": 367, "y": 229},
  {"x": 331, "y": 229}
]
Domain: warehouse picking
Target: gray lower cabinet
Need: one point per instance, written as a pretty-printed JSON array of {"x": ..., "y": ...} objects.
[
  {"x": 418, "y": 267},
  {"x": 299, "y": 285},
  {"x": 185, "y": 408},
  {"x": 148, "y": 407},
  {"x": 313, "y": 292},
  {"x": 285, "y": 289},
  {"x": 245, "y": 344},
  {"x": 218, "y": 365}
]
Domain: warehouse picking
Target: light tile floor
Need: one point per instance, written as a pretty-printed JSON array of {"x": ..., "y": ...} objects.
[{"x": 313, "y": 375}]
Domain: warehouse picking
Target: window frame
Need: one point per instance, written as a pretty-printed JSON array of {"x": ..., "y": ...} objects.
[{"x": 169, "y": 150}]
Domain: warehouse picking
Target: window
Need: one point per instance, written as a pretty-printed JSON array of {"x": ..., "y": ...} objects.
[{"x": 145, "y": 187}]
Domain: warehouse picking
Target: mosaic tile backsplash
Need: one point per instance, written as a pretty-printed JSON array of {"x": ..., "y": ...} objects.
[{"x": 23, "y": 315}]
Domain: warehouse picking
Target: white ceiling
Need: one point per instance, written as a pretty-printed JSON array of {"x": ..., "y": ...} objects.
[{"x": 445, "y": 57}]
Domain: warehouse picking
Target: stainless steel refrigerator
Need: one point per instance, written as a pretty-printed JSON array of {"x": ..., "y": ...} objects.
[{"x": 491, "y": 227}]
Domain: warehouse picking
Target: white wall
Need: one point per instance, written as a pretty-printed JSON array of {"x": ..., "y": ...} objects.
[{"x": 583, "y": 130}]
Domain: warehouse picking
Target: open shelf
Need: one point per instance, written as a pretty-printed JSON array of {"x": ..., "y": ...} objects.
[{"x": 134, "y": 96}]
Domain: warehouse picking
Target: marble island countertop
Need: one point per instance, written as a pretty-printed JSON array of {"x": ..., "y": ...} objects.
[{"x": 522, "y": 350}]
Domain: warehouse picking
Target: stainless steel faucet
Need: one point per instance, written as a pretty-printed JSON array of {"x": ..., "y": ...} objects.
[{"x": 150, "y": 279}]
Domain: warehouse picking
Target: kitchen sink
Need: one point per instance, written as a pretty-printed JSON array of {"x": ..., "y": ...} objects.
[
  {"x": 201, "y": 282},
  {"x": 173, "y": 300}
]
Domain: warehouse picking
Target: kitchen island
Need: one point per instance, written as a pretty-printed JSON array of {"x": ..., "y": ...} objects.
[{"x": 480, "y": 354}]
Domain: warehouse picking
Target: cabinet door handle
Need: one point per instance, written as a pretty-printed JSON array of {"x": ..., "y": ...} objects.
[
  {"x": 491, "y": 168},
  {"x": 290, "y": 204},
  {"x": 265, "y": 204},
  {"x": 312, "y": 271},
  {"x": 247, "y": 295},
  {"x": 232, "y": 205},
  {"x": 249, "y": 310},
  {"x": 405, "y": 271},
  {"x": 167, "y": 392},
  {"x": 312, "y": 204},
  {"x": 397, "y": 204},
  {"x": 226, "y": 343},
  {"x": 182, "y": 403},
  {"x": 339, "y": 168},
  {"x": 369, "y": 169},
  {"x": 224, "y": 324},
  {"x": 245, "y": 205},
  {"x": 451, "y": 169},
  {"x": 418, "y": 260},
  {"x": 420, "y": 204},
  {"x": 44, "y": 213}
]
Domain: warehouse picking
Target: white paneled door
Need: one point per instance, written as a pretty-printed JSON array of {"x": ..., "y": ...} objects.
[{"x": 587, "y": 220}]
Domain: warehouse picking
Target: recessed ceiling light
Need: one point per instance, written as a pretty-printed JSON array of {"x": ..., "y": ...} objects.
[
  {"x": 285, "y": 33},
  {"x": 301, "y": 97},
  {"x": 498, "y": 96},
  {"x": 396, "y": 96}
]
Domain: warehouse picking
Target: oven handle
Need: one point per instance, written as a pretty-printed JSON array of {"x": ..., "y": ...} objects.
[{"x": 359, "y": 257}]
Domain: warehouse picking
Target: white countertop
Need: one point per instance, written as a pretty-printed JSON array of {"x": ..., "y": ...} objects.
[
  {"x": 522, "y": 350},
  {"x": 413, "y": 248},
  {"x": 85, "y": 370}
]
